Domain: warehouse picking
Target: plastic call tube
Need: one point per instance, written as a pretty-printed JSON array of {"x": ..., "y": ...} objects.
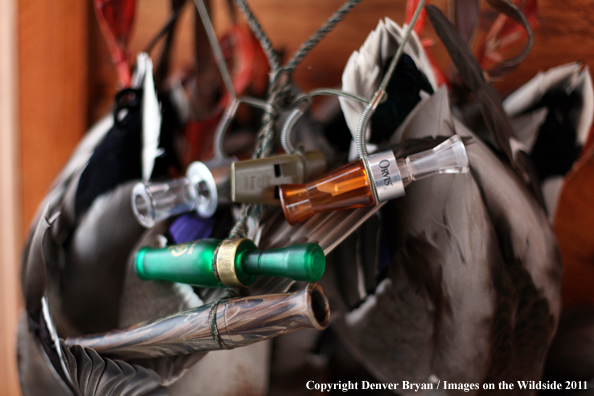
[
  {"x": 205, "y": 187},
  {"x": 231, "y": 262},
  {"x": 382, "y": 178}
]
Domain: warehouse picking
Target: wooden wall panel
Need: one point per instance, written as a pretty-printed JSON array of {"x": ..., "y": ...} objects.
[
  {"x": 52, "y": 86},
  {"x": 52, "y": 113},
  {"x": 9, "y": 200}
]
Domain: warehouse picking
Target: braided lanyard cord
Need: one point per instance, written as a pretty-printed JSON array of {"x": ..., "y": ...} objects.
[{"x": 279, "y": 92}]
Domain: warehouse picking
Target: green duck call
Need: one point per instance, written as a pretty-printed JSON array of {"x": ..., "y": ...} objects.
[{"x": 231, "y": 262}]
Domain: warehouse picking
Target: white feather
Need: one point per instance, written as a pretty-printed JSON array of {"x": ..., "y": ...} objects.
[
  {"x": 151, "y": 117},
  {"x": 571, "y": 77},
  {"x": 187, "y": 294},
  {"x": 140, "y": 70},
  {"x": 363, "y": 72}
]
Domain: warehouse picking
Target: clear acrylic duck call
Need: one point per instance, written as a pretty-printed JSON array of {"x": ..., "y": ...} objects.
[
  {"x": 203, "y": 189},
  {"x": 382, "y": 178}
]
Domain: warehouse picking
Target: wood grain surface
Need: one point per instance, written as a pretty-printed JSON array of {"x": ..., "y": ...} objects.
[
  {"x": 573, "y": 225},
  {"x": 239, "y": 321},
  {"x": 53, "y": 91},
  {"x": 9, "y": 200}
]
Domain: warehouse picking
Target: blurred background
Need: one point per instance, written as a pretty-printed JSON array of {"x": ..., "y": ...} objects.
[{"x": 57, "y": 79}]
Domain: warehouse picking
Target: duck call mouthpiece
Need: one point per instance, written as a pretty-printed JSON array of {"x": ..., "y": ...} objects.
[
  {"x": 202, "y": 190},
  {"x": 257, "y": 180},
  {"x": 380, "y": 178},
  {"x": 231, "y": 262},
  {"x": 238, "y": 321}
]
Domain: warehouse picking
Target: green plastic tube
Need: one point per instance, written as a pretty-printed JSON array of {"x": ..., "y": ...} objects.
[{"x": 194, "y": 263}]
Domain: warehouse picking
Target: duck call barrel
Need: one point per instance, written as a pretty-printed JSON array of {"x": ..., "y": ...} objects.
[
  {"x": 380, "y": 178},
  {"x": 190, "y": 263},
  {"x": 232, "y": 262},
  {"x": 239, "y": 322},
  {"x": 345, "y": 188}
]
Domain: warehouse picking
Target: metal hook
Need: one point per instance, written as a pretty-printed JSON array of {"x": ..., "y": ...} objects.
[
  {"x": 225, "y": 122},
  {"x": 302, "y": 102},
  {"x": 285, "y": 137},
  {"x": 380, "y": 94}
]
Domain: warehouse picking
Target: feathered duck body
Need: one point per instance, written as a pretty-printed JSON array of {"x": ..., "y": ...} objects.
[
  {"x": 461, "y": 284},
  {"x": 76, "y": 257},
  {"x": 470, "y": 288},
  {"x": 465, "y": 285},
  {"x": 469, "y": 292},
  {"x": 79, "y": 256}
]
